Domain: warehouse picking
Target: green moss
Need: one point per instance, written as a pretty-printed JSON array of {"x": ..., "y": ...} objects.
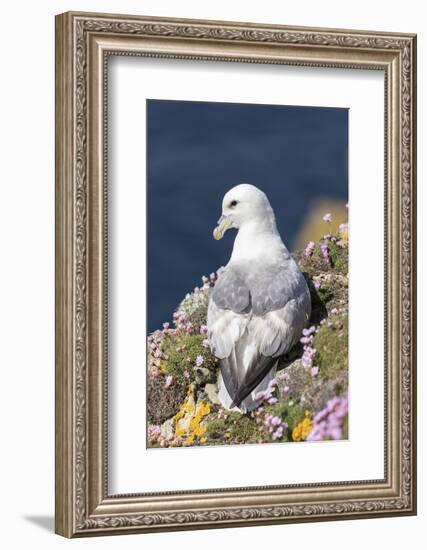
[
  {"x": 339, "y": 257},
  {"x": 216, "y": 429},
  {"x": 326, "y": 293},
  {"x": 181, "y": 353},
  {"x": 244, "y": 429},
  {"x": 233, "y": 428},
  {"x": 331, "y": 343}
]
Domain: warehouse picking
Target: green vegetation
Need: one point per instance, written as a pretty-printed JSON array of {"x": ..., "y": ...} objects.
[
  {"x": 331, "y": 343},
  {"x": 184, "y": 356}
]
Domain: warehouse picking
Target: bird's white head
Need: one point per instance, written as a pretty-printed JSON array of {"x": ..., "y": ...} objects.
[{"x": 244, "y": 205}]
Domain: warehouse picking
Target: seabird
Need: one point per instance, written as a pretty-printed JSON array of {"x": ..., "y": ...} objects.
[{"x": 260, "y": 303}]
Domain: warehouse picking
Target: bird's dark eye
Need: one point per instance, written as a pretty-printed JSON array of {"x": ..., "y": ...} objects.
[{"x": 233, "y": 204}]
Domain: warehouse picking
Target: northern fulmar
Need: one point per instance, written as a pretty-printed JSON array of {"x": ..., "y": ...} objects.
[{"x": 260, "y": 303}]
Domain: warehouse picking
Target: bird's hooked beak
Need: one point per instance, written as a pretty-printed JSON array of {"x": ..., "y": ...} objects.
[{"x": 224, "y": 223}]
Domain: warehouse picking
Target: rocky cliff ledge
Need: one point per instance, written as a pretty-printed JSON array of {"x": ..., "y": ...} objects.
[{"x": 306, "y": 401}]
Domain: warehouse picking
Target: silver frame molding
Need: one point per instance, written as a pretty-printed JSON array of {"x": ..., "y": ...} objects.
[{"x": 83, "y": 43}]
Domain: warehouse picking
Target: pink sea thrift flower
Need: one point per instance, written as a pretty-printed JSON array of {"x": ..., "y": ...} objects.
[
  {"x": 168, "y": 381},
  {"x": 265, "y": 395},
  {"x": 199, "y": 360},
  {"x": 179, "y": 316},
  {"x": 325, "y": 251},
  {"x": 309, "y": 331},
  {"x": 205, "y": 343},
  {"x": 309, "y": 249},
  {"x": 329, "y": 422},
  {"x": 314, "y": 371},
  {"x": 327, "y": 217},
  {"x": 275, "y": 426},
  {"x": 203, "y": 329},
  {"x": 153, "y": 371},
  {"x": 277, "y": 433},
  {"x": 308, "y": 356},
  {"x": 153, "y": 433}
]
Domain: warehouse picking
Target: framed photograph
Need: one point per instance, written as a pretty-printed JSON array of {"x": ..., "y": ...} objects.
[{"x": 235, "y": 274}]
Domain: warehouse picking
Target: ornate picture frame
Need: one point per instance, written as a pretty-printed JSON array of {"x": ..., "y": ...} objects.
[{"x": 84, "y": 42}]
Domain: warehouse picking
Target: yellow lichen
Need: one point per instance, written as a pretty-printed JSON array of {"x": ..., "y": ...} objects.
[
  {"x": 189, "y": 419},
  {"x": 301, "y": 430}
]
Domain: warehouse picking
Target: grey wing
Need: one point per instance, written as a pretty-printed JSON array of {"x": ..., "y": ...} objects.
[
  {"x": 229, "y": 339},
  {"x": 251, "y": 323},
  {"x": 278, "y": 331},
  {"x": 231, "y": 291},
  {"x": 225, "y": 329},
  {"x": 272, "y": 286},
  {"x": 248, "y": 346}
]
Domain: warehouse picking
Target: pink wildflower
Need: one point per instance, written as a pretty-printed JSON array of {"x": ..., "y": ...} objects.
[
  {"x": 325, "y": 251},
  {"x": 153, "y": 432},
  {"x": 309, "y": 249},
  {"x": 329, "y": 422}
]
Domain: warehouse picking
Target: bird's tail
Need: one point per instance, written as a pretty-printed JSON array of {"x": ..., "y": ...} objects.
[{"x": 254, "y": 376}]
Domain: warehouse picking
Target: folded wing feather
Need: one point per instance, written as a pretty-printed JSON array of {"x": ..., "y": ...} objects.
[{"x": 264, "y": 310}]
